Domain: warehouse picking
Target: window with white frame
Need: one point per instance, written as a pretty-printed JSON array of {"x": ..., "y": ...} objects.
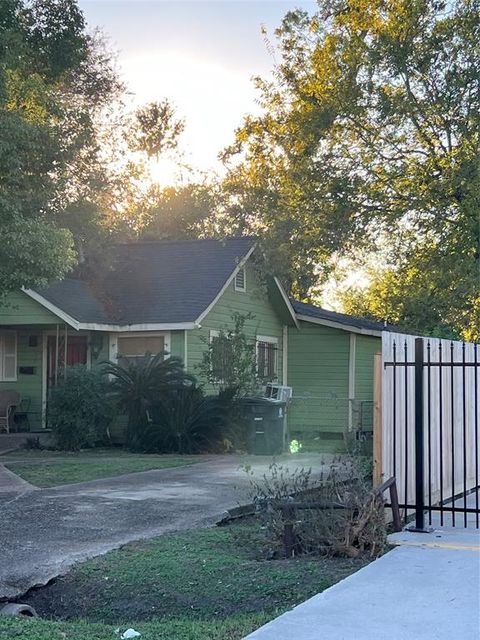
[
  {"x": 267, "y": 358},
  {"x": 241, "y": 280},
  {"x": 134, "y": 347},
  {"x": 8, "y": 356}
]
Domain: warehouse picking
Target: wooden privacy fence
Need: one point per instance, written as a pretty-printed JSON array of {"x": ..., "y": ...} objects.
[{"x": 426, "y": 424}]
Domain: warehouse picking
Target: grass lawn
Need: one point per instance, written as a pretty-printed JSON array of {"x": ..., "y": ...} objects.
[
  {"x": 206, "y": 584},
  {"x": 51, "y": 468}
]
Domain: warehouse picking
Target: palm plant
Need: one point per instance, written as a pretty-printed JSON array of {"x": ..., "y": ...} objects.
[
  {"x": 138, "y": 384},
  {"x": 186, "y": 421}
]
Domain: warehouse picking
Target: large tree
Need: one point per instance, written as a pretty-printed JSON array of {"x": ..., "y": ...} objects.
[
  {"x": 369, "y": 135},
  {"x": 55, "y": 81}
]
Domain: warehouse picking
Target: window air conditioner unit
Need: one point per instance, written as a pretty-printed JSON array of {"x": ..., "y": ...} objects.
[{"x": 278, "y": 392}]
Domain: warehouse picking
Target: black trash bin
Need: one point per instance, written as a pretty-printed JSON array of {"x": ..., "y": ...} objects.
[{"x": 265, "y": 419}]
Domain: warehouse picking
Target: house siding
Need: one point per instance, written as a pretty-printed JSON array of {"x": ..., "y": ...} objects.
[
  {"x": 103, "y": 354},
  {"x": 318, "y": 366},
  {"x": 366, "y": 348},
  {"x": 29, "y": 319},
  {"x": 29, "y": 386},
  {"x": 177, "y": 344},
  {"x": 254, "y": 300},
  {"x": 319, "y": 373},
  {"x": 19, "y": 308}
]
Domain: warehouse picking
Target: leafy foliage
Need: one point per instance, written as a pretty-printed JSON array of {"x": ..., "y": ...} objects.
[
  {"x": 186, "y": 421},
  {"x": 425, "y": 295},
  {"x": 80, "y": 410},
  {"x": 229, "y": 361},
  {"x": 177, "y": 212},
  {"x": 55, "y": 79},
  {"x": 155, "y": 129},
  {"x": 140, "y": 383},
  {"x": 369, "y": 135}
]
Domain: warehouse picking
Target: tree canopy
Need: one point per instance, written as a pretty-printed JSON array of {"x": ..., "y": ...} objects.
[
  {"x": 55, "y": 79},
  {"x": 370, "y": 137}
]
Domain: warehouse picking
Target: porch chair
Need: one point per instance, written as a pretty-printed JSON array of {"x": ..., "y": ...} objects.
[{"x": 9, "y": 400}]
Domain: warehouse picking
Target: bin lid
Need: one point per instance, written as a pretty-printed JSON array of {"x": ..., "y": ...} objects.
[{"x": 262, "y": 401}]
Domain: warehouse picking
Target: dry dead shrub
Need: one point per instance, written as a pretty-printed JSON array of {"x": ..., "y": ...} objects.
[{"x": 349, "y": 522}]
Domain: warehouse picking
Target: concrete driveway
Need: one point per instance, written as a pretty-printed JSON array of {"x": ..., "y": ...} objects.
[{"x": 43, "y": 532}]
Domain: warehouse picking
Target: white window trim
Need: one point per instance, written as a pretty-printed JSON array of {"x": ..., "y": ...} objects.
[
  {"x": 113, "y": 341},
  {"x": 244, "y": 288},
  {"x": 2, "y": 356},
  {"x": 269, "y": 340}
]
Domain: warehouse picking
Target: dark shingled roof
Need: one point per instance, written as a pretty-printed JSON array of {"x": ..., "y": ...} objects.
[
  {"x": 76, "y": 298},
  {"x": 301, "y": 308},
  {"x": 153, "y": 282}
]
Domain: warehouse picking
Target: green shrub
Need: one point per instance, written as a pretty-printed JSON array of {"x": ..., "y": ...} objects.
[
  {"x": 80, "y": 410},
  {"x": 229, "y": 360},
  {"x": 186, "y": 421}
]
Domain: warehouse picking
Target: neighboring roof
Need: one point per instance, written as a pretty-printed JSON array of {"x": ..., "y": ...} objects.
[
  {"x": 310, "y": 312},
  {"x": 151, "y": 283}
]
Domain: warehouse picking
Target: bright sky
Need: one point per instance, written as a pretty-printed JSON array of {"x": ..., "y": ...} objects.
[{"x": 201, "y": 55}]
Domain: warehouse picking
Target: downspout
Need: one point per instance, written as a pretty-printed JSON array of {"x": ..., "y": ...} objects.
[
  {"x": 351, "y": 378},
  {"x": 286, "y": 432},
  {"x": 185, "y": 348},
  {"x": 285, "y": 355}
]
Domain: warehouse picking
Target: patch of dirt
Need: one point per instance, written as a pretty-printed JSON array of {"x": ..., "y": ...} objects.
[
  {"x": 101, "y": 600},
  {"x": 65, "y": 598}
]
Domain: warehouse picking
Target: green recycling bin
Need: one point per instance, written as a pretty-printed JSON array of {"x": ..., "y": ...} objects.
[{"x": 265, "y": 418}]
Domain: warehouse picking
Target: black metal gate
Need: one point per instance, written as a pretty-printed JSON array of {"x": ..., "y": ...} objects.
[{"x": 444, "y": 455}]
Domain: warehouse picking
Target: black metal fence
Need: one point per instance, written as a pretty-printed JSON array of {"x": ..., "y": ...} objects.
[{"x": 433, "y": 408}]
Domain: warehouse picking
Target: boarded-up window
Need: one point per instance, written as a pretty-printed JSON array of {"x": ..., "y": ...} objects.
[
  {"x": 267, "y": 358},
  {"x": 8, "y": 356},
  {"x": 134, "y": 347}
]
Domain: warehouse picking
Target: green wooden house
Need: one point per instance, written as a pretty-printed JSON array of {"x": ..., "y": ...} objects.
[{"x": 175, "y": 296}]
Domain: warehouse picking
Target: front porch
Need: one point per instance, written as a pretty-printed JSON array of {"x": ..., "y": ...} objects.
[{"x": 33, "y": 358}]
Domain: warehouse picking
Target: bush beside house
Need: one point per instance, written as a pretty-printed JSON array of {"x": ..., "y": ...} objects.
[{"x": 81, "y": 409}]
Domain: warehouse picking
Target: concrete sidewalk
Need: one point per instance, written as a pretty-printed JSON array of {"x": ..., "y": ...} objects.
[{"x": 428, "y": 588}]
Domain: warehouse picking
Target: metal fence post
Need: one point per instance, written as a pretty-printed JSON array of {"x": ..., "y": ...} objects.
[{"x": 419, "y": 439}]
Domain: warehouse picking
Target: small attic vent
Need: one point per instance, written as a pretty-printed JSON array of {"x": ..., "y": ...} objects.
[{"x": 241, "y": 280}]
